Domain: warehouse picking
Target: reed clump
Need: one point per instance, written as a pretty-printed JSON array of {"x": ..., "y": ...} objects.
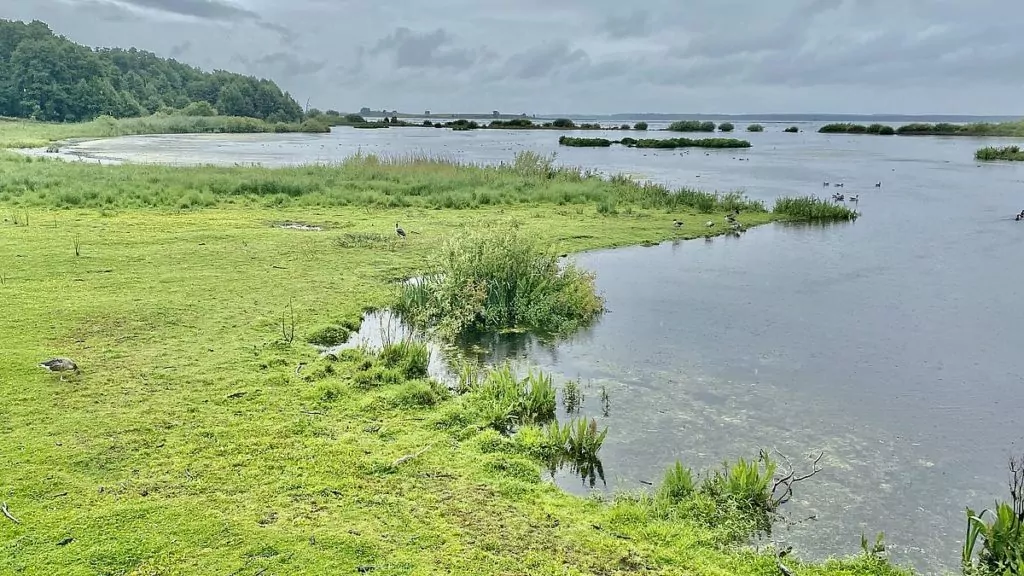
[
  {"x": 500, "y": 279},
  {"x": 691, "y": 126},
  {"x": 812, "y": 208}
]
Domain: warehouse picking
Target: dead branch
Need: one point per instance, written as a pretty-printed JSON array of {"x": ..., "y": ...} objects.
[
  {"x": 409, "y": 457},
  {"x": 6, "y": 512},
  {"x": 789, "y": 478}
]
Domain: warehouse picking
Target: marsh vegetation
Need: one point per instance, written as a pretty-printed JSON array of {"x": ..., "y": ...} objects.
[
  {"x": 1000, "y": 153},
  {"x": 666, "y": 143}
]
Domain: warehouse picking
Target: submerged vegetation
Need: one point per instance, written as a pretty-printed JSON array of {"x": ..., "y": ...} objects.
[
  {"x": 1000, "y": 153},
  {"x": 655, "y": 142},
  {"x": 498, "y": 280}
]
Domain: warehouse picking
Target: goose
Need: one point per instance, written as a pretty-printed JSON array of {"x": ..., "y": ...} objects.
[
  {"x": 399, "y": 231},
  {"x": 677, "y": 223},
  {"x": 59, "y": 365},
  {"x": 855, "y": 198},
  {"x": 878, "y": 184}
]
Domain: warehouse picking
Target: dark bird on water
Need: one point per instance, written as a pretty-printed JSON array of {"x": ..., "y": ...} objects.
[
  {"x": 399, "y": 231},
  {"x": 59, "y": 365}
]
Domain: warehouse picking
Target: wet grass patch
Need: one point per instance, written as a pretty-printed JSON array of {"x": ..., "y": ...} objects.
[
  {"x": 812, "y": 209},
  {"x": 990, "y": 153}
]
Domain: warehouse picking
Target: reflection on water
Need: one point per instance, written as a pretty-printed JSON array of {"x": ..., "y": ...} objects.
[{"x": 891, "y": 343}]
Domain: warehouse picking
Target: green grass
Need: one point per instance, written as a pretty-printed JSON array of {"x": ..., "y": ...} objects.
[
  {"x": 204, "y": 436},
  {"x": 977, "y": 129},
  {"x": 28, "y": 134},
  {"x": 999, "y": 153},
  {"x": 585, "y": 142},
  {"x": 755, "y": 128},
  {"x": 850, "y": 128}
]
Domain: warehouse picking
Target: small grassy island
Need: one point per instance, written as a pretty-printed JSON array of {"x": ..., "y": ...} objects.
[
  {"x": 1001, "y": 153},
  {"x": 667, "y": 143},
  {"x": 1009, "y": 129}
]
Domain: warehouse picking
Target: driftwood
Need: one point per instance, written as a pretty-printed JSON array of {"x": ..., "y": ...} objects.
[
  {"x": 789, "y": 478},
  {"x": 6, "y": 512},
  {"x": 409, "y": 457}
]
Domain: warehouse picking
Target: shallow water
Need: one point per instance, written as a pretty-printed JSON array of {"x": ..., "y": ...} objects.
[{"x": 892, "y": 343}]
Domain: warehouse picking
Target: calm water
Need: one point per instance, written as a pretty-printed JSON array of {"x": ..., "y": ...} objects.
[{"x": 893, "y": 344}]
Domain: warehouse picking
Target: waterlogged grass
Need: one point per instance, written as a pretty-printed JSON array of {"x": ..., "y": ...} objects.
[
  {"x": 977, "y": 129},
  {"x": 1000, "y": 153},
  {"x": 500, "y": 279},
  {"x": 29, "y": 134},
  {"x": 667, "y": 143},
  {"x": 755, "y": 128},
  {"x": 810, "y": 208},
  {"x": 203, "y": 436}
]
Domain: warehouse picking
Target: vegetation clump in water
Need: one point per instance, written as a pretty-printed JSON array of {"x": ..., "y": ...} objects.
[
  {"x": 726, "y": 127},
  {"x": 691, "y": 126},
  {"x": 666, "y": 143},
  {"x": 850, "y": 128},
  {"x": 812, "y": 208},
  {"x": 755, "y": 128},
  {"x": 1000, "y": 153},
  {"x": 500, "y": 279},
  {"x": 792, "y": 129}
]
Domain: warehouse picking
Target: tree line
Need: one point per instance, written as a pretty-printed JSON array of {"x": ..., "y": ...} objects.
[{"x": 48, "y": 77}]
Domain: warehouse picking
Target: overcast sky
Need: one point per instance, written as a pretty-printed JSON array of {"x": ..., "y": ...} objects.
[{"x": 585, "y": 56}]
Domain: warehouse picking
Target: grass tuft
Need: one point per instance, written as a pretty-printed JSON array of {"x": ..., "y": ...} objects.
[{"x": 812, "y": 209}]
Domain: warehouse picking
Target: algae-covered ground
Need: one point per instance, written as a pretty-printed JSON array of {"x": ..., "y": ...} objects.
[{"x": 194, "y": 442}]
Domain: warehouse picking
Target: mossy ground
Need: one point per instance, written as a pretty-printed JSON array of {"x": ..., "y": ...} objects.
[{"x": 190, "y": 444}]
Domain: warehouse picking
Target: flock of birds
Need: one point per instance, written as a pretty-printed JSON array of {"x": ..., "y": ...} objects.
[
  {"x": 730, "y": 220},
  {"x": 840, "y": 197}
]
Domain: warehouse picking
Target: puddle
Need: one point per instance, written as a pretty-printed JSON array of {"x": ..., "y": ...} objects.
[{"x": 299, "y": 226}]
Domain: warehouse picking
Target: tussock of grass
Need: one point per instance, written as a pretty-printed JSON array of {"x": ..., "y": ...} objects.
[
  {"x": 755, "y": 128},
  {"x": 811, "y": 208},
  {"x": 500, "y": 279},
  {"x": 1000, "y": 153}
]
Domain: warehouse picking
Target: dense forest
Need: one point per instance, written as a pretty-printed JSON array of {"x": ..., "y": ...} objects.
[{"x": 48, "y": 77}]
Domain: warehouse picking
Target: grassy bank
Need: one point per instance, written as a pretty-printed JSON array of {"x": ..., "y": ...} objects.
[
  {"x": 1000, "y": 153},
  {"x": 668, "y": 143},
  {"x": 27, "y": 134}
]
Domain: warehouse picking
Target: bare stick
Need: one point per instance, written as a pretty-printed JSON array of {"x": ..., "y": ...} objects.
[
  {"x": 787, "y": 481},
  {"x": 409, "y": 457},
  {"x": 7, "y": 513}
]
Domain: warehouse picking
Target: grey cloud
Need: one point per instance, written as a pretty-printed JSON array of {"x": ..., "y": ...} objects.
[
  {"x": 208, "y": 9},
  {"x": 636, "y": 24},
  {"x": 422, "y": 49},
  {"x": 584, "y": 55},
  {"x": 543, "y": 60}
]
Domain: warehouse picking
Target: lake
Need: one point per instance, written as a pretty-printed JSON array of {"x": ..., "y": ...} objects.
[{"x": 892, "y": 343}]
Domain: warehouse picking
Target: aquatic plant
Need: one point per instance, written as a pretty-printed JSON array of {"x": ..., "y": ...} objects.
[
  {"x": 812, "y": 208},
  {"x": 572, "y": 396},
  {"x": 1002, "y": 537},
  {"x": 989, "y": 153},
  {"x": 678, "y": 484},
  {"x": 726, "y": 127},
  {"x": 792, "y": 129},
  {"x": 747, "y": 483},
  {"x": 691, "y": 126},
  {"x": 501, "y": 278},
  {"x": 563, "y": 123},
  {"x": 584, "y": 142},
  {"x": 755, "y": 128},
  {"x": 640, "y": 126},
  {"x": 506, "y": 400},
  {"x": 410, "y": 357},
  {"x": 691, "y": 142}
]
